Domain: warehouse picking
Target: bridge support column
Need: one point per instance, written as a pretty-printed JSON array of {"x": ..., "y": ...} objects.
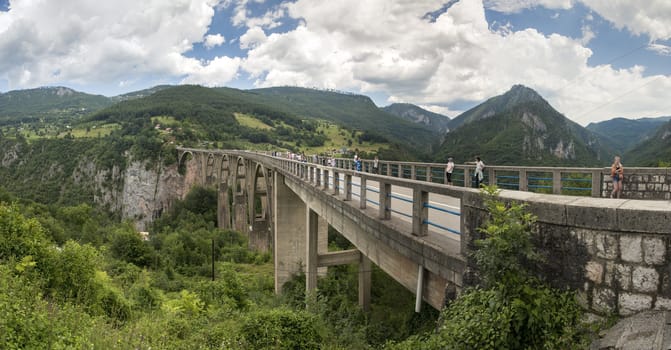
[
  {"x": 223, "y": 207},
  {"x": 290, "y": 226},
  {"x": 365, "y": 273},
  {"x": 259, "y": 236},
  {"x": 311, "y": 253},
  {"x": 240, "y": 210}
]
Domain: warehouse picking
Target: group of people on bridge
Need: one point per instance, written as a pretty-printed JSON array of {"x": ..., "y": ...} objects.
[{"x": 616, "y": 171}]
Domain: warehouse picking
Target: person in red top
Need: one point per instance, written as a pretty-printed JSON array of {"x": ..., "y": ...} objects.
[{"x": 617, "y": 173}]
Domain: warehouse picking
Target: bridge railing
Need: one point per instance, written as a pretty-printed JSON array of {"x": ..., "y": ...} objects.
[
  {"x": 552, "y": 180},
  {"x": 639, "y": 183},
  {"x": 425, "y": 206}
]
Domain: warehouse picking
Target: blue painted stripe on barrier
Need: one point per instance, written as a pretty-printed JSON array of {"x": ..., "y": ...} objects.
[
  {"x": 507, "y": 177},
  {"x": 577, "y": 188},
  {"x": 577, "y": 180},
  {"x": 355, "y": 185},
  {"x": 442, "y": 227},
  {"x": 538, "y": 186},
  {"x": 427, "y": 205},
  {"x": 401, "y": 198},
  {"x": 507, "y": 184},
  {"x": 539, "y": 178},
  {"x": 372, "y": 201},
  {"x": 372, "y": 189}
]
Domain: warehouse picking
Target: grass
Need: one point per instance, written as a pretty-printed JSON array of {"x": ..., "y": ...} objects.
[
  {"x": 338, "y": 138},
  {"x": 46, "y": 132},
  {"x": 164, "y": 121},
  {"x": 251, "y": 122},
  {"x": 93, "y": 131}
]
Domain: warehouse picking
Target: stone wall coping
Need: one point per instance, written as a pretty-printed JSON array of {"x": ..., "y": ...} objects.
[{"x": 626, "y": 215}]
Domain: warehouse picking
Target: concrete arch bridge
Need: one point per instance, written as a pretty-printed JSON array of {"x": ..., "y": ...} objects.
[{"x": 615, "y": 253}]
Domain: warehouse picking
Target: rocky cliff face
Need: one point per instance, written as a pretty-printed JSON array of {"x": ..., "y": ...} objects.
[
  {"x": 147, "y": 192},
  {"x": 139, "y": 191}
]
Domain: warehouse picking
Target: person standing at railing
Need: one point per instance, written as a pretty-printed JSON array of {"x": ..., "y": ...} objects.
[
  {"x": 449, "y": 168},
  {"x": 357, "y": 162},
  {"x": 376, "y": 165},
  {"x": 478, "y": 175},
  {"x": 617, "y": 174}
]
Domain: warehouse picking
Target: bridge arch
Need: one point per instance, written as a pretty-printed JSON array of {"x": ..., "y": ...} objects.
[
  {"x": 182, "y": 159},
  {"x": 224, "y": 169},
  {"x": 240, "y": 176},
  {"x": 224, "y": 196},
  {"x": 240, "y": 196},
  {"x": 259, "y": 209},
  {"x": 260, "y": 198}
]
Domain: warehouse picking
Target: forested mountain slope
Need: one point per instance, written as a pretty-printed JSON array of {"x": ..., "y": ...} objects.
[
  {"x": 419, "y": 115},
  {"x": 47, "y": 102},
  {"x": 521, "y": 128},
  {"x": 622, "y": 134}
]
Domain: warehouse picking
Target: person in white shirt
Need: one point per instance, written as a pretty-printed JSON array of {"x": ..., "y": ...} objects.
[
  {"x": 448, "y": 171},
  {"x": 479, "y": 175}
]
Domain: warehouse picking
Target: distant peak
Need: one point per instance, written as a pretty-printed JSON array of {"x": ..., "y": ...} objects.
[{"x": 520, "y": 94}]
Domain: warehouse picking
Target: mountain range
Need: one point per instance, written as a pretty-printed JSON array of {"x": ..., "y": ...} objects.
[
  {"x": 518, "y": 127},
  {"x": 622, "y": 134}
]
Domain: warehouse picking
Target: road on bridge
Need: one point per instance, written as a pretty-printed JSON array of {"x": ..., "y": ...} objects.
[{"x": 444, "y": 212}]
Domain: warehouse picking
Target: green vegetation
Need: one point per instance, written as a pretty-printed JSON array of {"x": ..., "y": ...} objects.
[
  {"x": 251, "y": 122},
  {"x": 512, "y": 309},
  {"x": 70, "y": 277},
  {"x": 353, "y": 112},
  {"x": 652, "y": 151},
  {"x": 622, "y": 134}
]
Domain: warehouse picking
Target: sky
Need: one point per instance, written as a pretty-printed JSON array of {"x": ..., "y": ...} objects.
[{"x": 592, "y": 60}]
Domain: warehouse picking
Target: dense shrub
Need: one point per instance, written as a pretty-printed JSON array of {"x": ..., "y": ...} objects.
[
  {"x": 19, "y": 236},
  {"x": 281, "y": 329},
  {"x": 30, "y": 322},
  {"x": 127, "y": 245}
]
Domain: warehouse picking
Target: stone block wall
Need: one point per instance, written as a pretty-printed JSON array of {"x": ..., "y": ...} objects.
[
  {"x": 626, "y": 273},
  {"x": 641, "y": 183},
  {"x": 616, "y": 254}
]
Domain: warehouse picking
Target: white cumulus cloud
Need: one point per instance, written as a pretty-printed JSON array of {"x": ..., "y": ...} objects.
[
  {"x": 514, "y": 6},
  {"x": 387, "y": 46},
  {"x": 648, "y": 17},
  {"x": 79, "y": 41},
  {"x": 214, "y": 40},
  {"x": 216, "y": 72}
]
